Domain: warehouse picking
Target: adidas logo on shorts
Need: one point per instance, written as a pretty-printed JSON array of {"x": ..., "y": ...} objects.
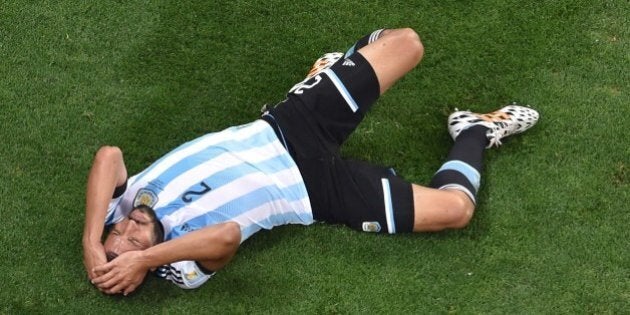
[{"x": 348, "y": 63}]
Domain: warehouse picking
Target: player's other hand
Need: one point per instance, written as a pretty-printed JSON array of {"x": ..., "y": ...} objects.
[
  {"x": 93, "y": 256},
  {"x": 121, "y": 275}
]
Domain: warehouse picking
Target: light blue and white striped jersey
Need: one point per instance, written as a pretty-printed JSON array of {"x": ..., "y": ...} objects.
[{"x": 242, "y": 174}]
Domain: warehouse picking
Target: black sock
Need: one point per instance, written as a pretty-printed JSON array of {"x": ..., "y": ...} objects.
[
  {"x": 463, "y": 166},
  {"x": 364, "y": 41},
  {"x": 470, "y": 146}
]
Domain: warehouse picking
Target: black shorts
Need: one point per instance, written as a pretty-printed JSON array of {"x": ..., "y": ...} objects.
[{"x": 314, "y": 121}]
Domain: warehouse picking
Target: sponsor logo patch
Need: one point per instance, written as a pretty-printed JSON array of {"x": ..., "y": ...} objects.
[{"x": 371, "y": 227}]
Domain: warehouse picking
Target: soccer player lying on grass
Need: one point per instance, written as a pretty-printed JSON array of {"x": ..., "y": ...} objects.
[{"x": 185, "y": 216}]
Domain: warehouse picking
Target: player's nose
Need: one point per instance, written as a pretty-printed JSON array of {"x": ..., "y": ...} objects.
[
  {"x": 127, "y": 231},
  {"x": 131, "y": 226},
  {"x": 117, "y": 245}
]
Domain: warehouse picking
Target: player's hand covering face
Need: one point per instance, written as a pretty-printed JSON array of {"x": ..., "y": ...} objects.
[{"x": 122, "y": 275}]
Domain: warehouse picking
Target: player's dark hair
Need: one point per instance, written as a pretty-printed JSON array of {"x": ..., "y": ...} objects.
[{"x": 158, "y": 228}]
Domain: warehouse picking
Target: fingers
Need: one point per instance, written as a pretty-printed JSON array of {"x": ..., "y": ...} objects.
[
  {"x": 116, "y": 286},
  {"x": 111, "y": 283},
  {"x": 116, "y": 289},
  {"x": 103, "y": 269},
  {"x": 93, "y": 275},
  {"x": 92, "y": 257},
  {"x": 114, "y": 282},
  {"x": 106, "y": 281},
  {"x": 118, "y": 276},
  {"x": 132, "y": 287},
  {"x": 90, "y": 273}
]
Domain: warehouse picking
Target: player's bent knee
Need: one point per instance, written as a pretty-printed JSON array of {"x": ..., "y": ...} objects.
[
  {"x": 437, "y": 210},
  {"x": 412, "y": 43},
  {"x": 463, "y": 212}
]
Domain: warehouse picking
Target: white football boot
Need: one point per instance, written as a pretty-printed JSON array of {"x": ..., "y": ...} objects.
[{"x": 507, "y": 121}]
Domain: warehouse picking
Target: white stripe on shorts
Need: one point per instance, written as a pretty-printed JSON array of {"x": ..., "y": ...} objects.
[
  {"x": 389, "y": 209},
  {"x": 342, "y": 90}
]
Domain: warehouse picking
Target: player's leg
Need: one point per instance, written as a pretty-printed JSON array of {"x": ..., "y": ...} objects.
[
  {"x": 450, "y": 200},
  {"x": 391, "y": 53},
  {"x": 340, "y": 89},
  {"x": 373, "y": 199},
  {"x": 437, "y": 210}
]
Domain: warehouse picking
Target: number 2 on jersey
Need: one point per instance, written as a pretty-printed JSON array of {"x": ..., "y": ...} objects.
[{"x": 194, "y": 194}]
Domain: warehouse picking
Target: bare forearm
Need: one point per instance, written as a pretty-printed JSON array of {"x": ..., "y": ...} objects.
[
  {"x": 108, "y": 172},
  {"x": 216, "y": 243},
  {"x": 212, "y": 246}
]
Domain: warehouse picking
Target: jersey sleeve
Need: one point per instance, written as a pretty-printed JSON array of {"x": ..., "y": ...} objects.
[
  {"x": 185, "y": 274},
  {"x": 121, "y": 203},
  {"x": 114, "y": 212}
]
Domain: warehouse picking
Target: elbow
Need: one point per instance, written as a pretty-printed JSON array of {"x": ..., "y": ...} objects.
[
  {"x": 110, "y": 159},
  {"x": 108, "y": 153},
  {"x": 231, "y": 235},
  {"x": 222, "y": 243},
  {"x": 227, "y": 240}
]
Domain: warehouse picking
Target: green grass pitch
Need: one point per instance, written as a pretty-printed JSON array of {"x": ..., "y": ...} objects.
[{"x": 551, "y": 232}]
